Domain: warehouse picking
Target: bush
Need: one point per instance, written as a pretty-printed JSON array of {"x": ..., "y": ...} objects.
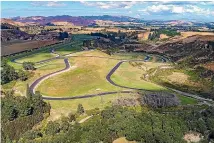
[
  {"x": 28, "y": 66},
  {"x": 30, "y": 135},
  {"x": 71, "y": 117},
  {"x": 80, "y": 109},
  {"x": 52, "y": 128},
  {"x": 23, "y": 76}
]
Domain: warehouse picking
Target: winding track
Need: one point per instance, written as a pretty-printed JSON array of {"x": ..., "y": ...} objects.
[
  {"x": 67, "y": 67},
  {"x": 108, "y": 78}
]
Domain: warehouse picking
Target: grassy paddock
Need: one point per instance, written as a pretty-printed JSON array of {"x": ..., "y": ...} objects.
[
  {"x": 45, "y": 68},
  {"x": 59, "y": 108},
  {"x": 130, "y": 76},
  {"x": 87, "y": 77}
]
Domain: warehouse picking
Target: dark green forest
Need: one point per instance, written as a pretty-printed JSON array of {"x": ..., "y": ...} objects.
[
  {"x": 161, "y": 125},
  {"x": 19, "y": 114}
]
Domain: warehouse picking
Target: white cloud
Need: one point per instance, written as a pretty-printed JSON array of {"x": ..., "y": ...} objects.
[
  {"x": 48, "y": 4},
  {"x": 176, "y": 9},
  {"x": 207, "y": 3},
  {"x": 110, "y": 4}
]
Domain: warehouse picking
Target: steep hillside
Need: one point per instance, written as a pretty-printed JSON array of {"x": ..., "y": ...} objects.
[
  {"x": 199, "y": 48},
  {"x": 11, "y": 22}
]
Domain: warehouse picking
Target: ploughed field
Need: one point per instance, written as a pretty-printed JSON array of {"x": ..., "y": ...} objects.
[{"x": 25, "y": 45}]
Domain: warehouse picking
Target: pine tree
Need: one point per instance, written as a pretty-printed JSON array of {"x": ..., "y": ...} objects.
[{"x": 80, "y": 109}]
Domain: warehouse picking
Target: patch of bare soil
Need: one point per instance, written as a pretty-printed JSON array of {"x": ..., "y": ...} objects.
[
  {"x": 163, "y": 36},
  {"x": 192, "y": 137},
  {"x": 126, "y": 102},
  {"x": 210, "y": 66},
  {"x": 123, "y": 140},
  {"x": 57, "y": 114}
]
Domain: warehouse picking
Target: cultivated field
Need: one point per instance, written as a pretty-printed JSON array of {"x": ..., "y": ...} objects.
[{"x": 27, "y": 45}]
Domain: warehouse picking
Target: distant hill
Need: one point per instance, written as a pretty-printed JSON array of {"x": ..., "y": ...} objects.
[
  {"x": 11, "y": 22},
  {"x": 76, "y": 20},
  {"x": 113, "y": 18}
]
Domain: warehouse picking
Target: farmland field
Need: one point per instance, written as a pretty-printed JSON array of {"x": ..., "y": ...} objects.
[{"x": 22, "y": 46}]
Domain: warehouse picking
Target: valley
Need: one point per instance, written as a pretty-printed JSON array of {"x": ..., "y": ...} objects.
[{"x": 109, "y": 79}]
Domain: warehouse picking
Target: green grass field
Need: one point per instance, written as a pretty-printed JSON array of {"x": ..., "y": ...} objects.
[
  {"x": 37, "y": 57},
  {"x": 64, "y": 107},
  {"x": 87, "y": 77},
  {"x": 187, "y": 100},
  {"x": 42, "y": 69},
  {"x": 71, "y": 48},
  {"x": 130, "y": 76}
]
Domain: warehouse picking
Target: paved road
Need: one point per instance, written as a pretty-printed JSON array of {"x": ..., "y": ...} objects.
[
  {"x": 36, "y": 82},
  {"x": 67, "y": 67},
  {"x": 108, "y": 78}
]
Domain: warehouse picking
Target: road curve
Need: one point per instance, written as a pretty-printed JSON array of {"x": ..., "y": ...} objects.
[
  {"x": 67, "y": 67},
  {"x": 42, "y": 78},
  {"x": 108, "y": 78}
]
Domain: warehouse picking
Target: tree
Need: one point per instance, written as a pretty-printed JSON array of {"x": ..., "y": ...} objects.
[
  {"x": 8, "y": 74},
  {"x": 28, "y": 92},
  {"x": 22, "y": 75},
  {"x": 71, "y": 117},
  {"x": 64, "y": 126},
  {"x": 80, "y": 109},
  {"x": 28, "y": 66},
  {"x": 63, "y": 35}
]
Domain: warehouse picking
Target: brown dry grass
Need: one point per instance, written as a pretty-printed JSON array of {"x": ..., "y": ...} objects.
[
  {"x": 123, "y": 140},
  {"x": 143, "y": 36},
  {"x": 178, "y": 77},
  {"x": 210, "y": 66},
  {"x": 18, "y": 47},
  {"x": 187, "y": 34},
  {"x": 163, "y": 36}
]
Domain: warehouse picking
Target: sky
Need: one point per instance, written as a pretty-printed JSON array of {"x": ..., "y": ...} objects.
[{"x": 161, "y": 10}]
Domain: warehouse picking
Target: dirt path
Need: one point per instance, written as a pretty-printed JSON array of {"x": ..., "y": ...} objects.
[{"x": 85, "y": 119}]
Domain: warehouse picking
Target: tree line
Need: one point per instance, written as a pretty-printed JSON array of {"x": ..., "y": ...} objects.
[{"x": 117, "y": 121}]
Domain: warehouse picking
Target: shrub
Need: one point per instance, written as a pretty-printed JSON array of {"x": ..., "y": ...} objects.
[
  {"x": 80, "y": 109},
  {"x": 28, "y": 66}
]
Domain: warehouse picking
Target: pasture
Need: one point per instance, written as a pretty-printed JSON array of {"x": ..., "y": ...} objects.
[
  {"x": 135, "y": 75},
  {"x": 86, "y": 77}
]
